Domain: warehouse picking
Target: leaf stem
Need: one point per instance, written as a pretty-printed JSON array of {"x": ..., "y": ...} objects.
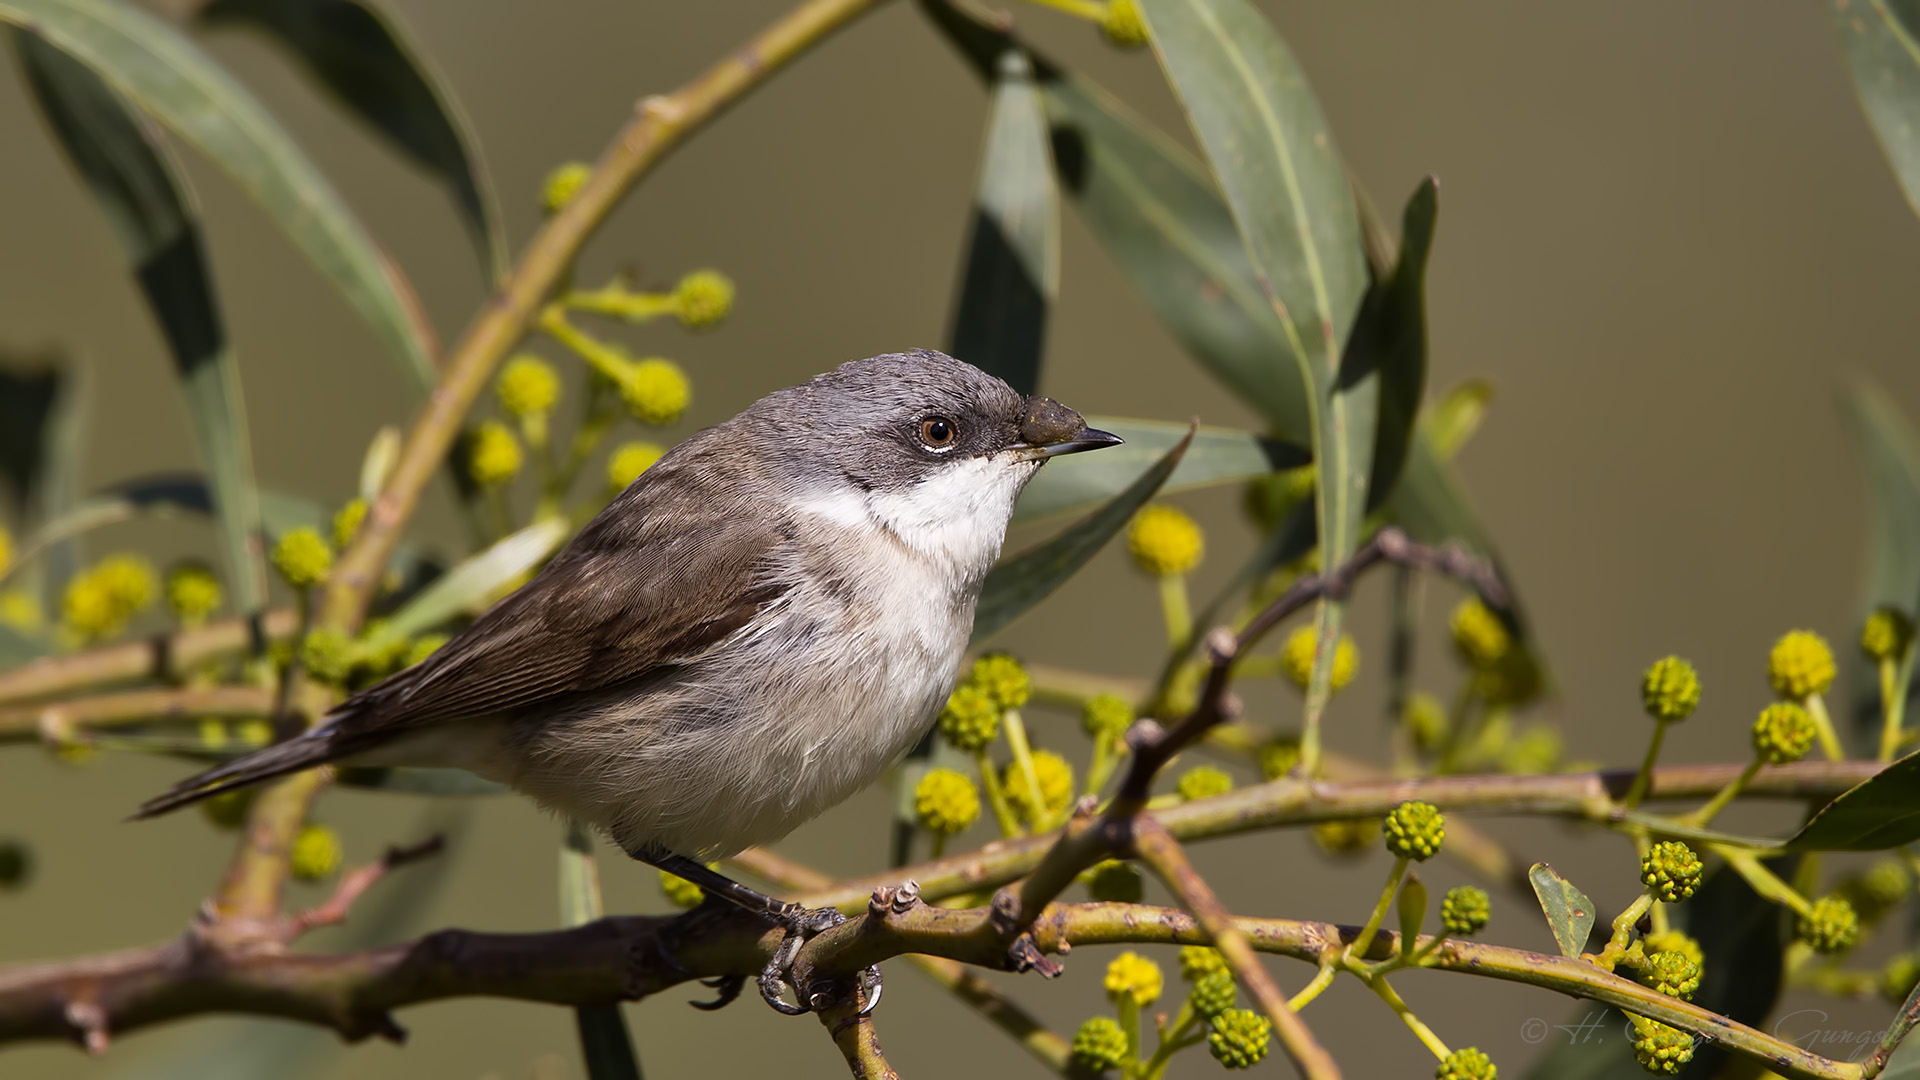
[
  {"x": 1176, "y": 609},
  {"x": 1394, "y": 877},
  {"x": 1700, "y": 818},
  {"x": 996, "y": 795}
]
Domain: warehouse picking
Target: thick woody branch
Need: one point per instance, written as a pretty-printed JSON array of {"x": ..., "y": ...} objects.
[{"x": 166, "y": 657}]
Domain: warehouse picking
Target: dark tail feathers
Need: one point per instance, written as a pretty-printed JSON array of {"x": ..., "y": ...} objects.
[{"x": 316, "y": 747}]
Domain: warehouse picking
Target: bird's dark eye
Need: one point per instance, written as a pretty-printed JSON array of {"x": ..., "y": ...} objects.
[{"x": 938, "y": 432}]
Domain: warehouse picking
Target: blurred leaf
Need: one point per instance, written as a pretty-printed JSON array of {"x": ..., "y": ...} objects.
[
  {"x": 41, "y": 422},
  {"x": 362, "y": 55},
  {"x": 163, "y": 73},
  {"x": 473, "y": 581},
  {"x": 418, "y": 781},
  {"x": 1453, "y": 419},
  {"x": 1216, "y": 456},
  {"x": 1890, "y": 451},
  {"x": 1882, "y": 41},
  {"x": 1569, "y": 912},
  {"x": 1393, "y": 329},
  {"x": 1019, "y": 583},
  {"x": 1012, "y": 271},
  {"x": 1262, "y": 132},
  {"x": 1881, "y": 812},
  {"x": 604, "y": 1040},
  {"x": 30, "y": 391},
  {"x": 123, "y": 162}
]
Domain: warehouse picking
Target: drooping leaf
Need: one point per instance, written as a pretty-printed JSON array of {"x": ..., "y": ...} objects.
[
  {"x": 604, "y": 1040},
  {"x": 473, "y": 581},
  {"x": 361, "y": 53},
  {"x": 1215, "y": 456},
  {"x": 1267, "y": 142},
  {"x": 125, "y": 165},
  {"x": 1569, "y": 912},
  {"x": 30, "y": 390},
  {"x": 167, "y": 76},
  {"x": 1890, "y": 451},
  {"x": 1393, "y": 327},
  {"x": 41, "y": 398},
  {"x": 1881, "y": 812},
  {"x": 1012, "y": 272},
  {"x": 1016, "y": 585},
  {"x": 1881, "y": 39}
]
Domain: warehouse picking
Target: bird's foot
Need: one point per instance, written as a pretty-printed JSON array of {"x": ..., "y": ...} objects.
[
  {"x": 777, "y": 978},
  {"x": 692, "y": 925}
]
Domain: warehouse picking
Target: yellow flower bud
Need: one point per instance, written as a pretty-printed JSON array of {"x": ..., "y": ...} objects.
[
  {"x": 316, "y": 853},
  {"x": 192, "y": 592},
  {"x": 656, "y": 391},
  {"x": 98, "y": 602},
  {"x": 346, "y": 523},
  {"x": 1298, "y": 653},
  {"x": 703, "y": 298},
  {"x": 1132, "y": 977},
  {"x": 1123, "y": 25},
  {"x": 1479, "y": 634},
  {"x": 527, "y": 386},
  {"x": 1801, "y": 665},
  {"x": 493, "y": 454},
  {"x": 1056, "y": 787},
  {"x": 946, "y": 802},
  {"x": 1165, "y": 541},
  {"x": 563, "y": 184},
  {"x": 302, "y": 558},
  {"x": 20, "y": 610},
  {"x": 629, "y": 461},
  {"x": 6, "y": 548}
]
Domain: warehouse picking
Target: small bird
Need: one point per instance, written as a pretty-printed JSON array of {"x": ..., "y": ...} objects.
[{"x": 753, "y": 630}]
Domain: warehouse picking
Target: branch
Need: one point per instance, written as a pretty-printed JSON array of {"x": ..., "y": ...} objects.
[
  {"x": 853, "y": 1033},
  {"x": 166, "y": 656},
  {"x": 354, "y": 884},
  {"x": 55, "y": 718}
]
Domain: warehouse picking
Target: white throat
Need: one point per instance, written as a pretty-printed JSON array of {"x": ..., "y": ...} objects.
[{"x": 956, "y": 518}]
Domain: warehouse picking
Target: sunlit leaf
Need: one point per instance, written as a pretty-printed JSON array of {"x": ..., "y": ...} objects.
[
  {"x": 1393, "y": 328},
  {"x": 168, "y": 76},
  {"x": 1569, "y": 912},
  {"x": 473, "y": 582},
  {"x": 361, "y": 53},
  {"x": 1215, "y": 456},
  {"x": 1881, "y": 812},
  {"x": 605, "y": 1043}
]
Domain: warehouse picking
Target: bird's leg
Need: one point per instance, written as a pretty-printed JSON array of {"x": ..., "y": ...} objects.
[{"x": 800, "y": 924}]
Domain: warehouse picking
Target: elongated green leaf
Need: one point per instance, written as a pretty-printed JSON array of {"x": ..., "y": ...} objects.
[
  {"x": 1012, "y": 271},
  {"x": 1019, "y": 583},
  {"x": 169, "y": 77},
  {"x": 1881, "y": 812},
  {"x": 144, "y": 198},
  {"x": 1890, "y": 451},
  {"x": 1264, "y": 136},
  {"x": 1215, "y": 456},
  {"x": 41, "y": 398},
  {"x": 361, "y": 53},
  {"x": 472, "y": 581},
  {"x": 1569, "y": 912},
  {"x": 1882, "y": 41},
  {"x": 1393, "y": 328},
  {"x": 604, "y": 1040}
]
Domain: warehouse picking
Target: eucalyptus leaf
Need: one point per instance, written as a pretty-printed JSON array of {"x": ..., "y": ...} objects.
[
  {"x": 1215, "y": 456},
  {"x": 1879, "y": 813},
  {"x": 1569, "y": 912},
  {"x": 1393, "y": 328},
  {"x": 1267, "y": 142},
  {"x": 1012, "y": 272},
  {"x": 166, "y": 75},
  {"x": 41, "y": 397},
  {"x": 125, "y": 165},
  {"x": 361, "y": 53},
  {"x": 605, "y": 1042},
  {"x": 473, "y": 581},
  {"x": 1016, "y": 585},
  {"x": 1890, "y": 452},
  {"x": 1882, "y": 41}
]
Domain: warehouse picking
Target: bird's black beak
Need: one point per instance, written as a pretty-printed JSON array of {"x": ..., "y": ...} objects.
[{"x": 1051, "y": 429}]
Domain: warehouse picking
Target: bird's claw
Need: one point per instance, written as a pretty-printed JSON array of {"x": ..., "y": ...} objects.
[{"x": 776, "y": 979}]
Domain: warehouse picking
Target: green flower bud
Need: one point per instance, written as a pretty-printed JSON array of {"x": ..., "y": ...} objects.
[
  {"x": 1886, "y": 635},
  {"x": 1536, "y": 750},
  {"x": 1783, "y": 733},
  {"x": 703, "y": 298},
  {"x": 493, "y": 454},
  {"x": 1115, "y": 882},
  {"x": 1238, "y": 1038},
  {"x": 656, "y": 391},
  {"x": 1297, "y": 656},
  {"x": 629, "y": 461},
  {"x": 16, "y": 864},
  {"x": 680, "y": 892},
  {"x": 1478, "y": 634},
  {"x": 1670, "y": 690},
  {"x": 302, "y": 558},
  {"x": 1831, "y": 927},
  {"x": 1004, "y": 678},
  {"x": 1164, "y": 541},
  {"x": 1426, "y": 721},
  {"x": 1348, "y": 836},
  {"x": 1123, "y": 25},
  {"x": 1673, "y": 941},
  {"x": 1100, "y": 1045},
  {"x": 1213, "y": 995},
  {"x": 1801, "y": 665},
  {"x": 1199, "y": 961},
  {"x": 563, "y": 184},
  {"x": 316, "y": 853},
  {"x": 1898, "y": 977},
  {"x": 228, "y": 810},
  {"x": 1056, "y": 787},
  {"x": 424, "y": 646},
  {"x": 1464, "y": 910},
  {"x": 1414, "y": 830},
  {"x": 193, "y": 593},
  {"x": 970, "y": 721},
  {"x": 527, "y": 386},
  {"x": 1467, "y": 1063},
  {"x": 1106, "y": 716},
  {"x": 347, "y": 522},
  {"x": 253, "y": 734},
  {"x": 1278, "y": 758},
  {"x": 1671, "y": 871},
  {"x": 1672, "y": 974},
  {"x": 1877, "y": 890},
  {"x": 1512, "y": 682},
  {"x": 20, "y": 609},
  {"x": 1132, "y": 977},
  {"x": 328, "y": 655},
  {"x": 1661, "y": 1050},
  {"x": 1203, "y": 781},
  {"x": 946, "y": 802}
]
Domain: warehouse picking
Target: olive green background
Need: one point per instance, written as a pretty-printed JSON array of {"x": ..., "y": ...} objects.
[{"x": 1666, "y": 234}]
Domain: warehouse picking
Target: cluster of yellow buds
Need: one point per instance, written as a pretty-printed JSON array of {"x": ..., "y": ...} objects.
[
  {"x": 99, "y": 602},
  {"x": 1302, "y": 646}
]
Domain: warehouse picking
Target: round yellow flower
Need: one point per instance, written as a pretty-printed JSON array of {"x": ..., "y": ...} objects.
[
  {"x": 946, "y": 802},
  {"x": 1132, "y": 977},
  {"x": 347, "y": 522},
  {"x": 656, "y": 391},
  {"x": 1885, "y": 635},
  {"x": 563, "y": 184},
  {"x": 493, "y": 455},
  {"x": 192, "y": 592},
  {"x": 1801, "y": 665},
  {"x": 1165, "y": 541},
  {"x": 1056, "y": 786},
  {"x": 316, "y": 853},
  {"x": 1479, "y": 634},
  {"x": 703, "y": 298},
  {"x": 1296, "y": 657},
  {"x": 629, "y": 461},
  {"x": 527, "y": 386},
  {"x": 98, "y": 602}
]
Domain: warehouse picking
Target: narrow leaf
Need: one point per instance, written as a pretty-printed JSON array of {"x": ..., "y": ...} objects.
[
  {"x": 1890, "y": 451},
  {"x": 126, "y": 167},
  {"x": 1215, "y": 456},
  {"x": 1393, "y": 329},
  {"x": 604, "y": 1040},
  {"x": 361, "y": 53},
  {"x": 1569, "y": 912},
  {"x": 1018, "y": 584},
  {"x": 40, "y": 445},
  {"x": 165, "y": 74},
  {"x": 1882, "y": 41},
  {"x": 474, "y": 581},
  {"x": 1879, "y": 813},
  {"x": 1012, "y": 271}
]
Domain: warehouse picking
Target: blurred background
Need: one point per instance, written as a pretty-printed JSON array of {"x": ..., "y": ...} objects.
[{"x": 1666, "y": 235}]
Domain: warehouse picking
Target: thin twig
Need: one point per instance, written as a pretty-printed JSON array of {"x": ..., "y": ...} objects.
[
  {"x": 32, "y": 722},
  {"x": 165, "y": 656},
  {"x": 355, "y": 883},
  {"x": 853, "y": 1033}
]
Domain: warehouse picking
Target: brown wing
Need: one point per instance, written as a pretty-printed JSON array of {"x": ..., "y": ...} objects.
[{"x": 670, "y": 568}]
